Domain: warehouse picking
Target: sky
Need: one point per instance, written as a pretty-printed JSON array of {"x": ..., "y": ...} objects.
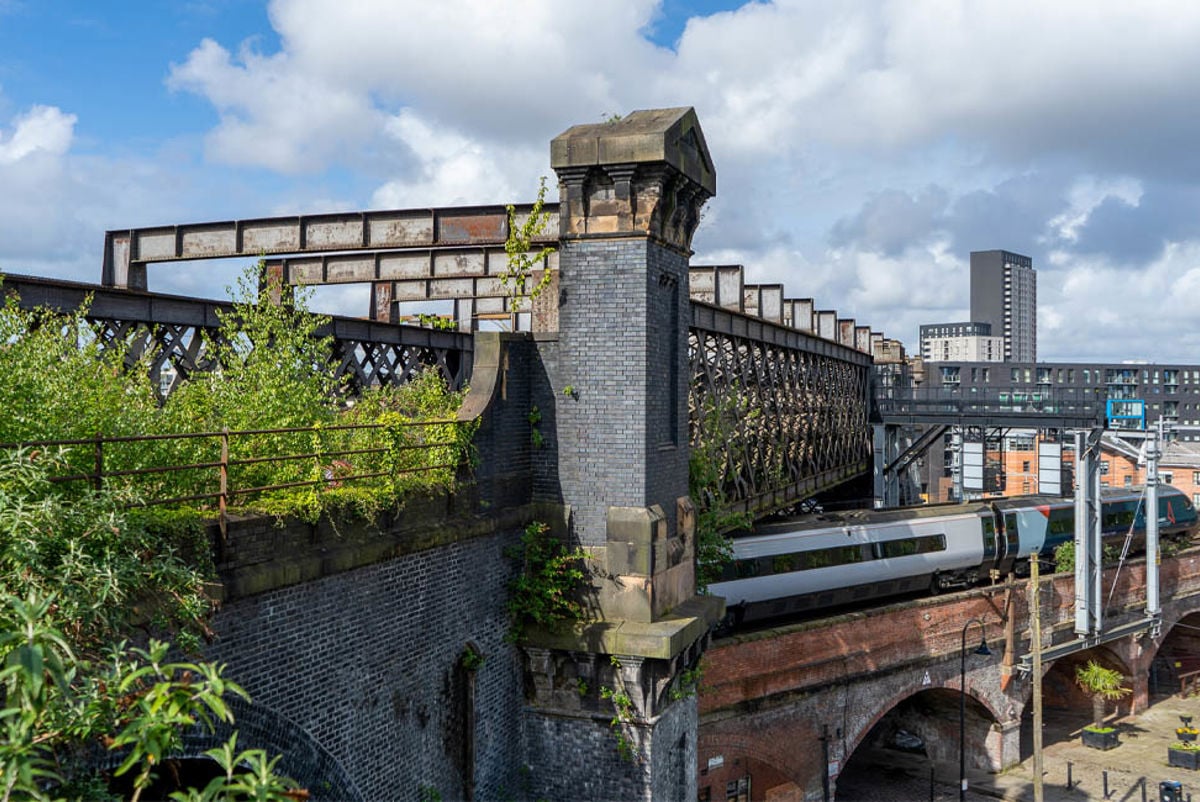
[{"x": 863, "y": 148}]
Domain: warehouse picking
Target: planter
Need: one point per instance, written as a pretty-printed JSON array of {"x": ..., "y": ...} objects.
[
  {"x": 1101, "y": 739},
  {"x": 1183, "y": 758}
]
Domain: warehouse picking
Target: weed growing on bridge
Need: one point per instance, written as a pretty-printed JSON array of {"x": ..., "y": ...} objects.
[
  {"x": 517, "y": 276},
  {"x": 546, "y": 591},
  {"x": 687, "y": 683},
  {"x": 707, "y": 467},
  {"x": 622, "y": 720},
  {"x": 81, "y": 575},
  {"x": 272, "y": 371}
]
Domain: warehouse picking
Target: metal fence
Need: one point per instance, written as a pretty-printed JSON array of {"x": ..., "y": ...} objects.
[{"x": 225, "y": 469}]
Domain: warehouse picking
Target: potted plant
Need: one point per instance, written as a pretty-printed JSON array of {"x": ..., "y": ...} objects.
[
  {"x": 1100, "y": 737},
  {"x": 1103, "y": 685},
  {"x": 1187, "y": 732},
  {"x": 1184, "y": 755}
]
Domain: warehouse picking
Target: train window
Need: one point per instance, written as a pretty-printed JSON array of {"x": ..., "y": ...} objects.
[
  {"x": 746, "y": 568},
  {"x": 1061, "y": 521},
  {"x": 989, "y": 537},
  {"x": 783, "y": 563},
  {"x": 913, "y": 545}
]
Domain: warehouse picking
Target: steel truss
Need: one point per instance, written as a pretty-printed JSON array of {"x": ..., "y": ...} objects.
[
  {"x": 791, "y": 409},
  {"x": 172, "y": 335}
]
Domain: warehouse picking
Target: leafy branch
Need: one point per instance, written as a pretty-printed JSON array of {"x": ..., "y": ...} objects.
[
  {"x": 546, "y": 591},
  {"x": 522, "y": 260}
]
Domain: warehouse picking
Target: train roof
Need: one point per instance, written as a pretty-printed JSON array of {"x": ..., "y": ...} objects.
[
  {"x": 1106, "y": 494},
  {"x": 827, "y": 520},
  {"x": 870, "y": 516}
]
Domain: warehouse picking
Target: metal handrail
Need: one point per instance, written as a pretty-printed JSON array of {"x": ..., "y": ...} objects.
[{"x": 225, "y": 491}]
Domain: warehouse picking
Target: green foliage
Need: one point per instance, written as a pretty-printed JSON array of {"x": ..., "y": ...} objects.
[
  {"x": 437, "y": 322},
  {"x": 427, "y": 793},
  {"x": 687, "y": 683},
  {"x": 535, "y": 432},
  {"x": 546, "y": 591},
  {"x": 274, "y": 373},
  {"x": 1101, "y": 684},
  {"x": 60, "y": 384},
  {"x": 707, "y": 465},
  {"x": 60, "y": 706},
  {"x": 472, "y": 659},
  {"x": 110, "y": 570},
  {"x": 1064, "y": 557},
  {"x": 621, "y": 721},
  {"x": 517, "y": 276}
]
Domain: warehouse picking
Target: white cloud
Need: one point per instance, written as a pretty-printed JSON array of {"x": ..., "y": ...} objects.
[
  {"x": 453, "y": 170},
  {"x": 276, "y": 113},
  {"x": 43, "y": 129},
  {"x": 863, "y": 148},
  {"x": 1085, "y": 196}
]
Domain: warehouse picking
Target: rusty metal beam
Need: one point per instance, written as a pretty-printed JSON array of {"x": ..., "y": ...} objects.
[{"x": 128, "y": 251}]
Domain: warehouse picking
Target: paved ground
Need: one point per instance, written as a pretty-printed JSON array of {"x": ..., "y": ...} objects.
[{"x": 1141, "y": 757}]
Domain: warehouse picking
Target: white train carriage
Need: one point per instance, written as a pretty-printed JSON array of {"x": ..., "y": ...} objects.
[{"x": 797, "y": 567}]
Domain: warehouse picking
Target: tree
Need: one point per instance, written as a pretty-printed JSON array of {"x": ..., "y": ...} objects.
[
  {"x": 1102, "y": 685},
  {"x": 80, "y": 580},
  {"x": 522, "y": 259}
]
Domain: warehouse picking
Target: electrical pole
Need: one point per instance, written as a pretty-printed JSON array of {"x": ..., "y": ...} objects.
[{"x": 1035, "y": 636}]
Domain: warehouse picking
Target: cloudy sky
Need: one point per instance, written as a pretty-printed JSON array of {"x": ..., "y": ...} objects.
[{"x": 863, "y": 147}]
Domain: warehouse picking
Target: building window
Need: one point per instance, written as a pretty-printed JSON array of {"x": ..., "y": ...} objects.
[
  {"x": 1166, "y": 477},
  {"x": 1128, "y": 480},
  {"x": 1196, "y": 477}
]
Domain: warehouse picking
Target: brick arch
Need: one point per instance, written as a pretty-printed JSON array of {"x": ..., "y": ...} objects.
[
  {"x": 777, "y": 753},
  {"x": 1062, "y": 688},
  {"x": 981, "y": 700},
  {"x": 303, "y": 759},
  {"x": 951, "y": 688}
]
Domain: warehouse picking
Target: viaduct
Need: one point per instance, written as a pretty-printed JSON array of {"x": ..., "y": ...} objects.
[{"x": 351, "y": 639}]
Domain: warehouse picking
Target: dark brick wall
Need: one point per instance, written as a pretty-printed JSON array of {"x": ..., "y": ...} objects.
[
  {"x": 621, "y": 308},
  {"x": 364, "y": 663},
  {"x": 576, "y": 758}
]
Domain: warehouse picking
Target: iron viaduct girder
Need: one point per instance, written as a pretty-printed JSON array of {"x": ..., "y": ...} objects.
[
  {"x": 170, "y": 333},
  {"x": 789, "y": 408}
]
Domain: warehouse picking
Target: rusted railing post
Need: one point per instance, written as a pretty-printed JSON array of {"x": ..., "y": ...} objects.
[
  {"x": 98, "y": 464},
  {"x": 223, "y": 498}
]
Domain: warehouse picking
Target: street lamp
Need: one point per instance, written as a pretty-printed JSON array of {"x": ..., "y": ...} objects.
[{"x": 962, "y": 703}]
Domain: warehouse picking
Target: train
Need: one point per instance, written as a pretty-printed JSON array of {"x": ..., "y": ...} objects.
[{"x": 803, "y": 565}]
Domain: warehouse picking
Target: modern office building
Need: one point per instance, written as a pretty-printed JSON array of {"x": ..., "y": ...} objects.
[
  {"x": 960, "y": 342},
  {"x": 1134, "y": 394},
  {"x": 1004, "y": 294}
]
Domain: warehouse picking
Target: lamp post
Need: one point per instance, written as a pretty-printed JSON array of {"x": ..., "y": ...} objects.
[{"x": 982, "y": 649}]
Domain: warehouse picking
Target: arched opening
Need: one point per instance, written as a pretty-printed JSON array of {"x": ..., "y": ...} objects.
[
  {"x": 175, "y": 774},
  {"x": 1066, "y": 708},
  {"x": 916, "y": 745},
  {"x": 1176, "y": 666}
]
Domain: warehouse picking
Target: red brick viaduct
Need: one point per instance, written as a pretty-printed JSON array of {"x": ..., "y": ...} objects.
[{"x": 768, "y": 697}]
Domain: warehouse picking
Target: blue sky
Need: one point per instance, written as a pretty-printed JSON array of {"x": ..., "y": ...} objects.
[{"x": 863, "y": 148}]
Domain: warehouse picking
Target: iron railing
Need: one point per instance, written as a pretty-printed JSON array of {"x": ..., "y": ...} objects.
[{"x": 223, "y": 469}]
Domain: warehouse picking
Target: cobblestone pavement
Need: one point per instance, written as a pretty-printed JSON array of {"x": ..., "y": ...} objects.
[{"x": 1140, "y": 760}]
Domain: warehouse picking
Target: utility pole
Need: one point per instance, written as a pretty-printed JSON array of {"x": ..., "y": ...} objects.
[{"x": 1035, "y": 636}]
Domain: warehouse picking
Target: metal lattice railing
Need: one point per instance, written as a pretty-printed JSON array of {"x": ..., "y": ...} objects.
[
  {"x": 790, "y": 409},
  {"x": 173, "y": 333}
]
